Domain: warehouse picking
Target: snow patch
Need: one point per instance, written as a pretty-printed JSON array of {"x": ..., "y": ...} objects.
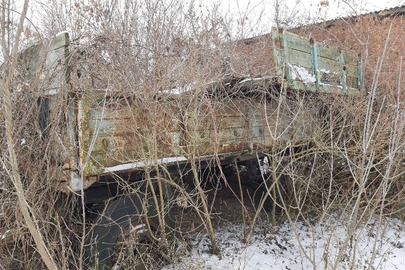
[
  {"x": 255, "y": 79},
  {"x": 178, "y": 90},
  {"x": 301, "y": 73},
  {"x": 325, "y": 71},
  {"x": 373, "y": 246}
]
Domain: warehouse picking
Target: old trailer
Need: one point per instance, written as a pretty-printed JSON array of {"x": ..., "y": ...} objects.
[{"x": 113, "y": 139}]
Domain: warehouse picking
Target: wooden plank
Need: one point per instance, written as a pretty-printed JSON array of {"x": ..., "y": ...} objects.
[
  {"x": 43, "y": 66},
  {"x": 317, "y": 68},
  {"x": 296, "y": 42}
]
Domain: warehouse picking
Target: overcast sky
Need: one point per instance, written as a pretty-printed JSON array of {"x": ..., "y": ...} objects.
[
  {"x": 260, "y": 14},
  {"x": 254, "y": 17}
]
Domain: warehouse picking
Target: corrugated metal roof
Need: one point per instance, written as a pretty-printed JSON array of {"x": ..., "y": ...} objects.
[
  {"x": 389, "y": 12},
  {"x": 395, "y": 11}
]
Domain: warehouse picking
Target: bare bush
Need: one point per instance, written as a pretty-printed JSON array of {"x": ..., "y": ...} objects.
[{"x": 181, "y": 86}]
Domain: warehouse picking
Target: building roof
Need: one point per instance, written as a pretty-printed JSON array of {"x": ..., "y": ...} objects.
[{"x": 380, "y": 14}]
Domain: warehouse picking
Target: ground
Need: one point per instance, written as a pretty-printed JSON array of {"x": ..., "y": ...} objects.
[{"x": 378, "y": 243}]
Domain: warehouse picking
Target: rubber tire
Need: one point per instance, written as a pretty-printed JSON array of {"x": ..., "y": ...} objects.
[{"x": 118, "y": 214}]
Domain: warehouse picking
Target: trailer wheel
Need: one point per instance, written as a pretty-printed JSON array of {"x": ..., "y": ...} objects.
[
  {"x": 126, "y": 232},
  {"x": 257, "y": 177}
]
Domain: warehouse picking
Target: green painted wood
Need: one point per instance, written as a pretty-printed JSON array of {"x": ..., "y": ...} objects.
[
  {"x": 277, "y": 51},
  {"x": 342, "y": 68},
  {"x": 307, "y": 65},
  {"x": 285, "y": 55},
  {"x": 314, "y": 56}
]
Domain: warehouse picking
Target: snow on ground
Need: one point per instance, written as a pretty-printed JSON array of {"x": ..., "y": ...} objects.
[{"x": 295, "y": 246}]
